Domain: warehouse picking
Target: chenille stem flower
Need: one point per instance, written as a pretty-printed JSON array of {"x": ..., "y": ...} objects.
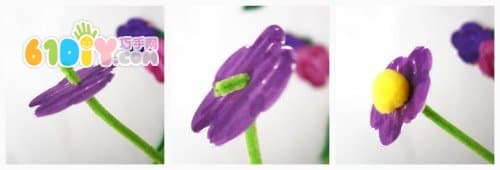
[
  {"x": 399, "y": 94},
  {"x": 82, "y": 86},
  {"x": 121, "y": 128},
  {"x": 248, "y": 83}
]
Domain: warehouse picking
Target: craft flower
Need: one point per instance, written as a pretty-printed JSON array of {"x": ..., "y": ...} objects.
[
  {"x": 467, "y": 40},
  {"x": 248, "y": 83},
  {"x": 487, "y": 58},
  {"x": 399, "y": 93},
  {"x": 313, "y": 65},
  {"x": 65, "y": 94},
  {"x": 139, "y": 27}
]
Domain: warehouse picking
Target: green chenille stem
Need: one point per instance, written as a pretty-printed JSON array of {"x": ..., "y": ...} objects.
[
  {"x": 458, "y": 134},
  {"x": 231, "y": 84},
  {"x": 115, "y": 123},
  {"x": 159, "y": 148},
  {"x": 325, "y": 154},
  {"x": 253, "y": 144}
]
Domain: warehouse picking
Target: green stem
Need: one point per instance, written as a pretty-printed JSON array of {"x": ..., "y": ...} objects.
[
  {"x": 458, "y": 134},
  {"x": 253, "y": 144},
  {"x": 159, "y": 148},
  {"x": 115, "y": 123},
  {"x": 325, "y": 154}
]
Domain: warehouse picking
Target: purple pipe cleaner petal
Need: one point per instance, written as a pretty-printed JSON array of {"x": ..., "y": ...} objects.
[
  {"x": 390, "y": 128},
  {"x": 64, "y": 94},
  {"x": 269, "y": 64}
]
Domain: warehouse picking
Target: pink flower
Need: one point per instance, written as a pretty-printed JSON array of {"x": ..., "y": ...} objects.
[
  {"x": 487, "y": 58},
  {"x": 157, "y": 71},
  {"x": 312, "y": 64}
]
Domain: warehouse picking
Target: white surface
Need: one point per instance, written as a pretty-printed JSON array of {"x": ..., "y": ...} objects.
[
  {"x": 76, "y": 135},
  {"x": 202, "y": 37},
  {"x": 366, "y": 40}
]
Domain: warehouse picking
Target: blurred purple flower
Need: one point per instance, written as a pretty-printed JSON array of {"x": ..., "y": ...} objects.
[
  {"x": 467, "y": 39},
  {"x": 487, "y": 58},
  {"x": 269, "y": 66},
  {"x": 415, "y": 68},
  {"x": 294, "y": 41},
  {"x": 139, "y": 27},
  {"x": 312, "y": 64},
  {"x": 65, "y": 94},
  {"x": 136, "y": 27}
]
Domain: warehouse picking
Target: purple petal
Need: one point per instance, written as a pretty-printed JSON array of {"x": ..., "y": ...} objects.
[
  {"x": 55, "y": 91},
  {"x": 206, "y": 112},
  {"x": 416, "y": 69},
  {"x": 241, "y": 108},
  {"x": 399, "y": 65},
  {"x": 64, "y": 94},
  {"x": 271, "y": 77},
  {"x": 245, "y": 60},
  {"x": 232, "y": 64},
  {"x": 375, "y": 118},
  {"x": 420, "y": 62},
  {"x": 390, "y": 128}
]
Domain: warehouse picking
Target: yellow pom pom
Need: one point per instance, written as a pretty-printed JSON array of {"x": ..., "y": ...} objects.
[{"x": 390, "y": 91}]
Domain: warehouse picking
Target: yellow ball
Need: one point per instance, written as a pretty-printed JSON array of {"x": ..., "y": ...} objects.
[{"x": 390, "y": 91}]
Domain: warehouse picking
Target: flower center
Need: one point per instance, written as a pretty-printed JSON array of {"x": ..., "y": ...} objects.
[
  {"x": 390, "y": 91},
  {"x": 231, "y": 84}
]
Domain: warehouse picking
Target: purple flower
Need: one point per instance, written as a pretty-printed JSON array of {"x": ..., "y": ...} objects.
[
  {"x": 415, "y": 71},
  {"x": 487, "y": 58},
  {"x": 293, "y": 41},
  {"x": 267, "y": 66},
  {"x": 136, "y": 27},
  {"x": 65, "y": 94},
  {"x": 467, "y": 40}
]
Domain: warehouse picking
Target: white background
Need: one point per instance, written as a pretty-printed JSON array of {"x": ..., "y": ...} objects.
[
  {"x": 76, "y": 134},
  {"x": 367, "y": 39},
  {"x": 202, "y": 38}
]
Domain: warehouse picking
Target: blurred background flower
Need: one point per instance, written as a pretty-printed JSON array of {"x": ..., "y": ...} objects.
[{"x": 139, "y": 27}]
